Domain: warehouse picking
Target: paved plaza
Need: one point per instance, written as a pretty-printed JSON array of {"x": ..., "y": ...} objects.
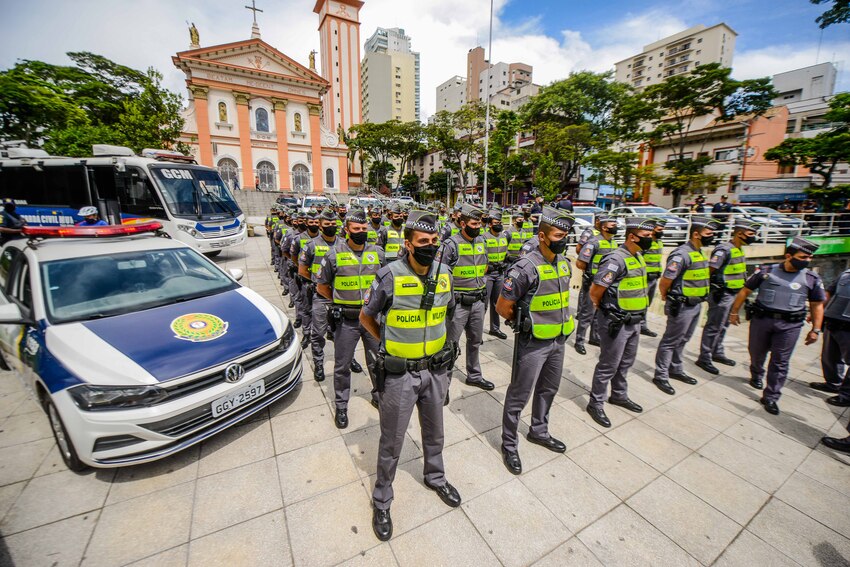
[{"x": 705, "y": 477}]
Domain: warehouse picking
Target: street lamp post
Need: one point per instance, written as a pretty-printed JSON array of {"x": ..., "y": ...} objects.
[{"x": 487, "y": 102}]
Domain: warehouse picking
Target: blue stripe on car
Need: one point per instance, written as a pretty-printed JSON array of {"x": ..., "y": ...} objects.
[{"x": 147, "y": 339}]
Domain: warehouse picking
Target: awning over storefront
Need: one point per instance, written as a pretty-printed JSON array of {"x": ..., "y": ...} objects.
[{"x": 755, "y": 197}]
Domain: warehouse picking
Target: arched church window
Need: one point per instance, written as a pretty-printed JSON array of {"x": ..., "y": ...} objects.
[
  {"x": 228, "y": 170},
  {"x": 266, "y": 176},
  {"x": 222, "y": 113},
  {"x": 301, "y": 178},
  {"x": 262, "y": 116},
  {"x": 329, "y": 178},
  {"x": 298, "y": 122}
]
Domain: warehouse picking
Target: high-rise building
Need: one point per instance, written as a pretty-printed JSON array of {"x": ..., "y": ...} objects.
[
  {"x": 451, "y": 95},
  {"x": 816, "y": 81},
  {"x": 677, "y": 54},
  {"x": 476, "y": 64},
  {"x": 390, "y": 78}
]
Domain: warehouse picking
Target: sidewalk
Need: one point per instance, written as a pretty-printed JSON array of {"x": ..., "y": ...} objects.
[{"x": 705, "y": 477}]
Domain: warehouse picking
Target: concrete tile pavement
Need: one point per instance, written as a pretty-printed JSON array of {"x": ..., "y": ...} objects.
[{"x": 703, "y": 477}]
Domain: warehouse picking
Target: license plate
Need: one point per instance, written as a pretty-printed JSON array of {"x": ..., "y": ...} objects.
[{"x": 232, "y": 401}]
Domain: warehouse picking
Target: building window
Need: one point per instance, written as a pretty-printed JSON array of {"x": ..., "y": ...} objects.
[
  {"x": 266, "y": 176},
  {"x": 262, "y": 118},
  {"x": 301, "y": 178},
  {"x": 228, "y": 170},
  {"x": 684, "y": 156}
]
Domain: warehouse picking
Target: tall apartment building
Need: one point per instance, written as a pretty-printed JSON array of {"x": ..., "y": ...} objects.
[
  {"x": 451, "y": 95},
  {"x": 815, "y": 81},
  {"x": 390, "y": 78},
  {"x": 476, "y": 63},
  {"x": 677, "y": 54}
]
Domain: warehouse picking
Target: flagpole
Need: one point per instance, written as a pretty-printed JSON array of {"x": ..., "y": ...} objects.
[{"x": 487, "y": 102}]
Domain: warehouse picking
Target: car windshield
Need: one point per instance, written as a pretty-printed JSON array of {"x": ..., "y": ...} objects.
[
  {"x": 195, "y": 193},
  {"x": 94, "y": 287},
  {"x": 589, "y": 210},
  {"x": 760, "y": 210},
  {"x": 316, "y": 201},
  {"x": 646, "y": 210}
]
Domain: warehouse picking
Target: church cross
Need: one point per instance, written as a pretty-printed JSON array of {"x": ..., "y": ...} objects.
[{"x": 253, "y": 8}]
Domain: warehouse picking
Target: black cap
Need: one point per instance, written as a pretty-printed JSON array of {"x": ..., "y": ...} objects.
[
  {"x": 558, "y": 218},
  {"x": 422, "y": 221}
]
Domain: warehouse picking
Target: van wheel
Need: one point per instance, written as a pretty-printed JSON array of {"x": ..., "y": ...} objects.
[
  {"x": 212, "y": 254},
  {"x": 63, "y": 441}
]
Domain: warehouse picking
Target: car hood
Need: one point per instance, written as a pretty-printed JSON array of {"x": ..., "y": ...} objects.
[{"x": 157, "y": 345}]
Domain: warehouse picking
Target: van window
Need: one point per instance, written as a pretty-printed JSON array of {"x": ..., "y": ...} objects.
[
  {"x": 137, "y": 197},
  {"x": 57, "y": 186}
]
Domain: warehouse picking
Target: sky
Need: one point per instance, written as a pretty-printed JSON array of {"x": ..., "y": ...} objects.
[{"x": 555, "y": 36}]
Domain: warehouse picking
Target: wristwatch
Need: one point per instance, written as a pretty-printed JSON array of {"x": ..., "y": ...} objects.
[{"x": 817, "y": 331}]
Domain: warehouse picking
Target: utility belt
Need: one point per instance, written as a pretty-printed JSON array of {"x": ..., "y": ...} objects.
[
  {"x": 683, "y": 300},
  {"x": 653, "y": 276},
  {"x": 467, "y": 298},
  {"x": 836, "y": 324},
  {"x": 760, "y": 312},
  {"x": 388, "y": 366},
  {"x": 347, "y": 312},
  {"x": 626, "y": 317},
  {"x": 498, "y": 268}
]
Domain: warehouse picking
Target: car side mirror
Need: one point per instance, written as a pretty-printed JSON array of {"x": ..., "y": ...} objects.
[
  {"x": 10, "y": 314},
  {"x": 236, "y": 273}
]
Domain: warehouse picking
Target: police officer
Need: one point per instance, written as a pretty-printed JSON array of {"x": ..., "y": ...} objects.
[
  {"x": 278, "y": 229},
  {"x": 346, "y": 272},
  {"x": 516, "y": 237},
  {"x": 299, "y": 226},
  {"x": 589, "y": 258},
  {"x": 466, "y": 255},
  {"x": 309, "y": 263},
  {"x": 13, "y": 223},
  {"x": 305, "y": 287},
  {"x": 684, "y": 287},
  {"x": 271, "y": 221},
  {"x": 536, "y": 299},
  {"x": 836, "y": 342},
  {"x": 412, "y": 297},
  {"x": 497, "y": 251},
  {"x": 374, "y": 227},
  {"x": 778, "y": 315},
  {"x": 452, "y": 227},
  {"x": 728, "y": 271},
  {"x": 390, "y": 237},
  {"x": 838, "y": 444},
  {"x": 620, "y": 293},
  {"x": 652, "y": 257},
  {"x": 590, "y": 231}
]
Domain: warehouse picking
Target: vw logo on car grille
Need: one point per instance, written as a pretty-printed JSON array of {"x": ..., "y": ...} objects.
[{"x": 234, "y": 373}]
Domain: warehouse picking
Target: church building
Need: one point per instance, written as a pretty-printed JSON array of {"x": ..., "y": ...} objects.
[{"x": 268, "y": 122}]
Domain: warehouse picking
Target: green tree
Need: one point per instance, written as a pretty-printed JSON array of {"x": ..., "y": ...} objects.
[
  {"x": 409, "y": 182},
  {"x": 821, "y": 154},
  {"x": 546, "y": 174},
  {"x": 681, "y": 101},
  {"x": 618, "y": 169},
  {"x": 438, "y": 183},
  {"x": 457, "y": 135},
  {"x": 838, "y": 13}
]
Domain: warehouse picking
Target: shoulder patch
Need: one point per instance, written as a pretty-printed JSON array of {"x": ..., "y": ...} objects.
[
  {"x": 509, "y": 284},
  {"x": 608, "y": 277}
]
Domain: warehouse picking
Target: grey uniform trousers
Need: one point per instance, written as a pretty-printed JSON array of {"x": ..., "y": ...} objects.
[
  {"x": 318, "y": 328},
  {"x": 835, "y": 358},
  {"x": 652, "y": 285},
  {"x": 426, "y": 391},
  {"x": 585, "y": 318},
  {"x": 469, "y": 318},
  {"x": 715, "y": 328},
  {"x": 779, "y": 338},
  {"x": 495, "y": 281},
  {"x": 680, "y": 329},
  {"x": 295, "y": 294},
  {"x": 306, "y": 308},
  {"x": 616, "y": 357},
  {"x": 348, "y": 333},
  {"x": 538, "y": 371}
]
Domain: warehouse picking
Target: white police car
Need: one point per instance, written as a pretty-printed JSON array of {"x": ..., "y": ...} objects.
[{"x": 136, "y": 345}]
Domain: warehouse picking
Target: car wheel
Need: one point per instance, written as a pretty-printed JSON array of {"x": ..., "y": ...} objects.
[
  {"x": 212, "y": 254},
  {"x": 63, "y": 441}
]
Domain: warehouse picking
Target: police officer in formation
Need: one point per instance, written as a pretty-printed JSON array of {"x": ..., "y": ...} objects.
[
  {"x": 375, "y": 226},
  {"x": 391, "y": 236},
  {"x": 778, "y": 315},
  {"x": 620, "y": 294},
  {"x": 684, "y": 287},
  {"x": 345, "y": 274},
  {"x": 298, "y": 235},
  {"x": 535, "y": 298},
  {"x": 517, "y": 236},
  {"x": 406, "y": 310},
  {"x": 652, "y": 257},
  {"x": 497, "y": 252},
  {"x": 465, "y": 254},
  {"x": 453, "y": 226},
  {"x": 728, "y": 271},
  {"x": 835, "y": 357},
  {"x": 591, "y": 254}
]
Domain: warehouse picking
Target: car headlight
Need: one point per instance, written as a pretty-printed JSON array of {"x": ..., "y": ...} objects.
[
  {"x": 288, "y": 337},
  {"x": 94, "y": 398},
  {"x": 187, "y": 228}
]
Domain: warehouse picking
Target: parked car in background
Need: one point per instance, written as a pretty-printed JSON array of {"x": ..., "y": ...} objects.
[
  {"x": 365, "y": 203},
  {"x": 313, "y": 201},
  {"x": 778, "y": 227},
  {"x": 675, "y": 232},
  {"x": 586, "y": 212}
]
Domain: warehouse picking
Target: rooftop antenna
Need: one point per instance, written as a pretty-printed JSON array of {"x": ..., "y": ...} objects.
[{"x": 820, "y": 41}]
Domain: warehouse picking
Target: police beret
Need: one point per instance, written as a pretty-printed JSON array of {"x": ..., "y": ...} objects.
[
  {"x": 395, "y": 208},
  {"x": 746, "y": 224},
  {"x": 327, "y": 215},
  {"x": 662, "y": 222},
  {"x": 494, "y": 214},
  {"x": 356, "y": 215},
  {"x": 704, "y": 222},
  {"x": 558, "y": 218},
  {"x": 803, "y": 245},
  {"x": 300, "y": 215},
  {"x": 604, "y": 217},
  {"x": 640, "y": 223},
  {"x": 471, "y": 211},
  {"x": 422, "y": 221},
  {"x": 312, "y": 215}
]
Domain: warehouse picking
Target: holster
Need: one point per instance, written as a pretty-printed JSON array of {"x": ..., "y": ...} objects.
[
  {"x": 675, "y": 305},
  {"x": 334, "y": 316},
  {"x": 586, "y": 281},
  {"x": 749, "y": 308},
  {"x": 379, "y": 374},
  {"x": 470, "y": 298}
]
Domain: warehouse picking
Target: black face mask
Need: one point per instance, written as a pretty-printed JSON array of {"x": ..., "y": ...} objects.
[
  {"x": 424, "y": 255},
  {"x": 358, "y": 238},
  {"x": 799, "y": 264},
  {"x": 314, "y": 230},
  {"x": 329, "y": 231},
  {"x": 612, "y": 230},
  {"x": 645, "y": 242},
  {"x": 707, "y": 240},
  {"x": 659, "y": 235},
  {"x": 558, "y": 246},
  {"x": 376, "y": 220},
  {"x": 496, "y": 228},
  {"x": 750, "y": 239},
  {"x": 397, "y": 222},
  {"x": 472, "y": 232},
  {"x": 300, "y": 226}
]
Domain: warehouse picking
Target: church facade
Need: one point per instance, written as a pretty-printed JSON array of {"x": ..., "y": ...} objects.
[{"x": 266, "y": 121}]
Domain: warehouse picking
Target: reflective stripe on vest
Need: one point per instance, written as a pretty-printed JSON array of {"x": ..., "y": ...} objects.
[
  {"x": 695, "y": 278},
  {"x": 497, "y": 247},
  {"x": 409, "y": 331},
  {"x": 354, "y": 275},
  {"x": 319, "y": 251},
  {"x": 632, "y": 290},
  {"x": 550, "y": 305},
  {"x": 735, "y": 271},
  {"x": 517, "y": 240},
  {"x": 371, "y": 235},
  {"x": 652, "y": 257},
  {"x": 783, "y": 291},
  {"x": 393, "y": 245},
  {"x": 839, "y": 304},
  {"x": 471, "y": 265},
  {"x": 605, "y": 247}
]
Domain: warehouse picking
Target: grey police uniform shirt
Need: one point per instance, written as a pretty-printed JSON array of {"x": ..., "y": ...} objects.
[
  {"x": 589, "y": 250},
  {"x": 308, "y": 253},
  {"x": 720, "y": 256},
  {"x": 833, "y": 287},
  {"x": 612, "y": 269},
  {"x": 678, "y": 262},
  {"x": 585, "y": 235},
  {"x": 448, "y": 254},
  {"x": 813, "y": 282},
  {"x": 327, "y": 268},
  {"x": 532, "y": 243},
  {"x": 379, "y": 297},
  {"x": 523, "y": 279}
]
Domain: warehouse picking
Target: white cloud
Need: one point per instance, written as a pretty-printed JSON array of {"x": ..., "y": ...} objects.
[{"x": 779, "y": 58}]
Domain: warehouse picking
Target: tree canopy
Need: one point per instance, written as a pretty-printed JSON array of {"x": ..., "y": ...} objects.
[{"x": 838, "y": 13}]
